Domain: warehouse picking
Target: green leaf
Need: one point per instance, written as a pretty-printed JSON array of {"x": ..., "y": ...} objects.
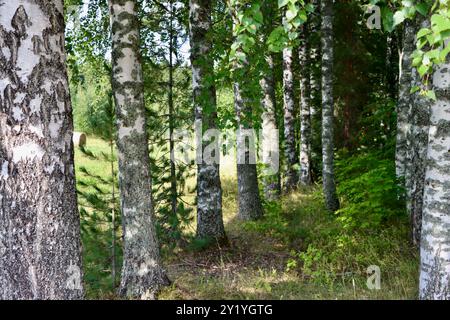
[
  {"x": 431, "y": 94},
  {"x": 282, "y": 3},
  {"x": 414, "y": 89},
  {"x": 423, "y": 32},
  {"x": 399, "y": 17}
]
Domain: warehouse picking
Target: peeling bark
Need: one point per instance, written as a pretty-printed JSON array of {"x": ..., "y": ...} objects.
[
  {"x": 329, "y": 186},
  {"x": 209, "y": 189},
  {"x": 435, "y": 239},
  {"x": 40, "y": 249},
  {"x": 142, "y": 272}
]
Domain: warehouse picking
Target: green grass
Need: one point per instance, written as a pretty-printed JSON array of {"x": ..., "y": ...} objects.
[{"x": 297, "y": 251}]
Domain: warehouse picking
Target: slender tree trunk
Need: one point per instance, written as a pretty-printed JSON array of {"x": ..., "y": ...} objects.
[
  {"x": 113, "y": 211},
  {"x": 435, "y": 240},
  {"x": 290, "y": 150},
  {"x": 271, "y": 180},
  {"x": 391, "y": 70},
  {"x": 417, "y": 158},
  {"x": 270, "y": 144},
  {"x": 142, "y": 272},
  {"x": 173, "y": 172},
  {"x": 40, "y": 250},
  {"x": 305, "y": 109},
  {"x": 315, "y": 85},
  {"x": 209, "y": 189},
  {"x": 403, "y": 105},
  {"x": 329, "y": 187},
  {"x": 416, "y": 135}
]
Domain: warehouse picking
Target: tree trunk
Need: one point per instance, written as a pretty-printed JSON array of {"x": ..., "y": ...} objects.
[
  {"x": 329, "y": 187},
  {"x": 417, "y": 136},
  {"x": 142, "y": 273},
  {"x": 245, "y": 84},
  {"x": 290, "y": 150},
  {"x": 209, "y": 189},
  {"x": 435, "y": 239},
  {"x": 249, "y": 201},
  {"x": 416, "y": 127},
  {"x": 315, "y": 85},
  {"x": 40, "y": 250},
  {"x": 305, "y": 109},
  {"x": 173, "y": 171},
  {"x": 270, "y": 144},
  {"x": 403, "y": 105},
  {"x": 271, "y": 179}
]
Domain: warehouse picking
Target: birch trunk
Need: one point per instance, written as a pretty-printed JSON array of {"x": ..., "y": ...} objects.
[
  {"x": 249, "y": 201},
  {"x": 417, "y": 129},
  {"x": 209, "y": 189},
  {"x": 435, "y": 239},
  {"x": 403, "y": 105},
  {"x": 271, "y": 178},
  {"x": 290, "y": 150},
  {"x": 142, "y": 273},
  {"x": 315, "y": 85},
  {"x": 329, "y": 187},
  {"x": 305, "y": 109},
  {"x": 417, "y": 136},
  {"x": 40, "y": 250}
]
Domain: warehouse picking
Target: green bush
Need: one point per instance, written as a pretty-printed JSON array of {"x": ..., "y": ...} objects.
[{"x": 369, "y": 190}]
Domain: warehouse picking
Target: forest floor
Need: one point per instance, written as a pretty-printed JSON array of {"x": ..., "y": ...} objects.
[{"x": 297, "y": 251}]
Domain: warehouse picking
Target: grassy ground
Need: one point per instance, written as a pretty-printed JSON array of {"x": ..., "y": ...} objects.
[{"x": 298, "y": 251}]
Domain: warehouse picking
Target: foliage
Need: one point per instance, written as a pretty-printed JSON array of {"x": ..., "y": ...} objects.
[
  {"x": 100, "y": 223},
  {"x": 433, "y": 45},
  {"x": 369, "y": 189},
  {"x": 295, "y": 14}
]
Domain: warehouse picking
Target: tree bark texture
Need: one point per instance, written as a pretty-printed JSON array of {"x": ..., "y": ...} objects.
[
  {"x": 305, "y": 109},
  {"x": 403, "y": 105},
  {"x": 329, "y": 186},
  {"x": 40, "y": 249},
  {"x": 290, "y": 149},
  {"x": 435, "y": 239},
  {"x": 209, "y": 189},
  {"x": 142, "y": 272},
  {"x": 271, "y": 179}
]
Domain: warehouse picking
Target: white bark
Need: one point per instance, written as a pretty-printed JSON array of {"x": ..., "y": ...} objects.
[
  {"x": 435, "y": 240},
  {"x": 40, "y": 250},
  {"x": 142, "y": 272}
]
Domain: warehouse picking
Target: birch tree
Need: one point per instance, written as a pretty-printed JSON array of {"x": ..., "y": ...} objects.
[
  {"x": 209, "y": 190},
  {"x": 329, "y": 186},
  {"x": 403, "y": 105},
  {"x": 435, "y": 239},
  {"x": 417, "y": 144},
  {"x": 271, "y": 180},
  {"x": 142, "y": 272},
  {"x": 305, "y": 108},
  {"x": 40, "y": 251},
  {"x": 249, "y": 200},
  {"x": 290, "y": 149}
]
